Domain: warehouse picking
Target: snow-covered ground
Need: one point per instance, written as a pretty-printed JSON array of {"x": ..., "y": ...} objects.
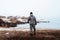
[{"x": 11, "y": 29}]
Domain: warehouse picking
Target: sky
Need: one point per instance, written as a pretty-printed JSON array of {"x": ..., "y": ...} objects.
[{"x": 42, "y": 9}]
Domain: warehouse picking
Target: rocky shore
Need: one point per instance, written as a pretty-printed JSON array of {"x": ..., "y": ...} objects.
[{"x": 12, "y": 21}]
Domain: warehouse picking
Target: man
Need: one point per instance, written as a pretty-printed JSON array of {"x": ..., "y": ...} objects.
[{"x": 32, "y": 22}]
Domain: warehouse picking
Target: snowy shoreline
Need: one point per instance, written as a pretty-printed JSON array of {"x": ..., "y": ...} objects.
[{"x": 19, "y": 29}]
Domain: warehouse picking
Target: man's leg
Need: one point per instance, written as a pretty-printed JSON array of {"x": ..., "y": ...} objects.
[
  {"x": 34, "y": 29},
  {"x": 30, "y": 29}
]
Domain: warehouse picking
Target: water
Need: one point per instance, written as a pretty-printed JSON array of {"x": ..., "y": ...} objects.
[{"x": 40, "y": 26}]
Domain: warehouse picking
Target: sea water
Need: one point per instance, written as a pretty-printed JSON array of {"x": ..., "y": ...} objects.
[{"x": 40, "y": 26}]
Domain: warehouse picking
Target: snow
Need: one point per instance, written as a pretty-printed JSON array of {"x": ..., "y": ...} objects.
[{"x": 12, "y": 29}]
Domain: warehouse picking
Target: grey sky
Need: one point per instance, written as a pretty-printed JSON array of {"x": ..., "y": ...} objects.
[{"x": 40, "y": 8}]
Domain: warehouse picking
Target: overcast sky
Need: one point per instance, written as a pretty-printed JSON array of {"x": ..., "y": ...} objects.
[{"x": 40, "y": 8}]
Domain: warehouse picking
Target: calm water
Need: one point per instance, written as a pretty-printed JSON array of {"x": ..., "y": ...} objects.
[{"x": 41, "y": 26}]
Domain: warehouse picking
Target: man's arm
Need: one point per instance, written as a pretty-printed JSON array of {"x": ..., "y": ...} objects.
[
  {"x": 35, "y": 21},
  {"x": 28, "y": 20}
]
